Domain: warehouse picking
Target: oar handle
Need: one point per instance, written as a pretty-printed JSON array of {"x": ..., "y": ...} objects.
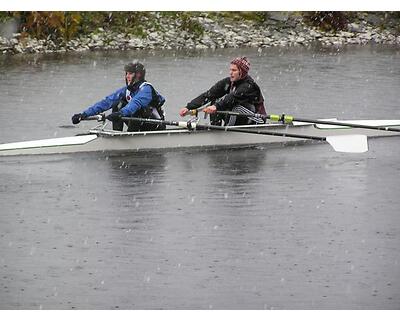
[
  {"x": 195, "y": 112},
  {"x": 98, "y": 117}
]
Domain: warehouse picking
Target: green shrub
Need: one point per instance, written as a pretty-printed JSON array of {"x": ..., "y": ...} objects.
[
  {"x": 186, "y": 21},
  {"x": 5, "y": 16},
  {"x": 326, "y": 20},
  {"x": 127, "y": 22},
  {"x": 58, "y": 26}
]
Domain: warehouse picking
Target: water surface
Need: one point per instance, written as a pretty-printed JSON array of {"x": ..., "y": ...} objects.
[{"x": 298, "y": 227}]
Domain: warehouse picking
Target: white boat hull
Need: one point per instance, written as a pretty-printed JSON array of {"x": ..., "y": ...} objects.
[{"x": 114, "y": 141}]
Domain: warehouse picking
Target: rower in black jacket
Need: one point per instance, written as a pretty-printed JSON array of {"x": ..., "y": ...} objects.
[{"x": 237, "y": 93}]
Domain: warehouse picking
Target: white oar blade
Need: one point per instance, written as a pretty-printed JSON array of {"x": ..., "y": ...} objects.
[{"x": 355, "y": 143}]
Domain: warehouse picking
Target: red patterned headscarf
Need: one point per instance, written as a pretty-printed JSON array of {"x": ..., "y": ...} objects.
[{"x": 243, "y": 64}]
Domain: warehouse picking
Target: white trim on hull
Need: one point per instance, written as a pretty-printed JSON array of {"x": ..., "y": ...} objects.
[
  {"x": 110, "y": 141},
  {"x": 55, "y": 142}
]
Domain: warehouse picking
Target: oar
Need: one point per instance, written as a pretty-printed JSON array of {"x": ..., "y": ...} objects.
[
  {"x": 99, "y": 117},
  {"x": 195, "y": 112},
  {"x": 289, "y": 119},
  {"x": 342, "y": 143}
]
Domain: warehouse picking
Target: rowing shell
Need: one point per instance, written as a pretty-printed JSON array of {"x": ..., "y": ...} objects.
[{"x": 101, "y": 140}]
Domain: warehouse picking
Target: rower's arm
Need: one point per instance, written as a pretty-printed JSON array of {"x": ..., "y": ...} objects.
[
  {"x": 106, "y": 103},
  {"x": 216, "y": 91},
  {"x": 140, "y": 100},
  {"x": 245, "y": 93}
]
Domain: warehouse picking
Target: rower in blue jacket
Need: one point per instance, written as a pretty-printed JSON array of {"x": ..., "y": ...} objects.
[{"x": 137, "y": 99}]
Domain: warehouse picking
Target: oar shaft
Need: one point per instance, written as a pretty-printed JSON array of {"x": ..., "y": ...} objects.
[
  {"x": 352, "y": 125},
  {"x": 190, "y": 125},
  {"x": 289, "y": 119},
  {"x": 154, "y": 121},
  {"x": 97, "y": 117},
  {"x": 263, "y": 132},
  {"x": 340, "y": 144}
]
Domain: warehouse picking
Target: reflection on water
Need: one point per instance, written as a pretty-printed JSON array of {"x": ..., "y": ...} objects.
[{"x": 134, "y": 168}]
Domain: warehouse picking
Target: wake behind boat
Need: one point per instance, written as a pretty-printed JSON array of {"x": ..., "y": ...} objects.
[{"x": 100, "y": 139}]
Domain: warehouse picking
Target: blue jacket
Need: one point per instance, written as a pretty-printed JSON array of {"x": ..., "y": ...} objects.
[{"x": 139, "y": 99}]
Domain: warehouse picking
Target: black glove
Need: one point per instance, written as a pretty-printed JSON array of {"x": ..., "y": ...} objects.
[
  {"x": 76, "y": 118},
  {"x": 115, "y": 116}
]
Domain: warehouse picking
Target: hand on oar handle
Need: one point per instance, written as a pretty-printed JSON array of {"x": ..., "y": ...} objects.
[
  {"x": 183, "y": 112},
  {"x": 210, "y": 109},
  {"x": 77, "y": 117}
]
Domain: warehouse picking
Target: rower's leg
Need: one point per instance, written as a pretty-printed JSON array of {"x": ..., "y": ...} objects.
[
  {"x": 117, "y": 125},
  {"x": 133, "y": 126},
  {"x": 216, "y": 119},
  {"x": 237, "y": 121},
  {"x": 145, "y": 126}
]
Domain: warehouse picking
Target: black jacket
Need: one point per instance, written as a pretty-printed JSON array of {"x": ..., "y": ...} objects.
[{"x": 241, "y": 92}]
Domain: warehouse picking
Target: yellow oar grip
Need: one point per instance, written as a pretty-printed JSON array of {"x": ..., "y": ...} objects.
[
  {"x": 287, "y": 119},
  {"x": 275, "y": 117},
  {"x": 283, "y": 118}
]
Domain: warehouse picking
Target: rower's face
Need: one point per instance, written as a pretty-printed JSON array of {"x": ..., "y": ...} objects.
[
  {"x": 234, "y": 73},
  {"x": 129, "y": 76}
]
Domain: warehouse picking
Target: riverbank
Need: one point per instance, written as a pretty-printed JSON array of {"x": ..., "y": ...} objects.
[{"x": 211, "y": 31}]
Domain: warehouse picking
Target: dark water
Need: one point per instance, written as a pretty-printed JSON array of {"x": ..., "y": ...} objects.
[{"x": 285, "y": 228}]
